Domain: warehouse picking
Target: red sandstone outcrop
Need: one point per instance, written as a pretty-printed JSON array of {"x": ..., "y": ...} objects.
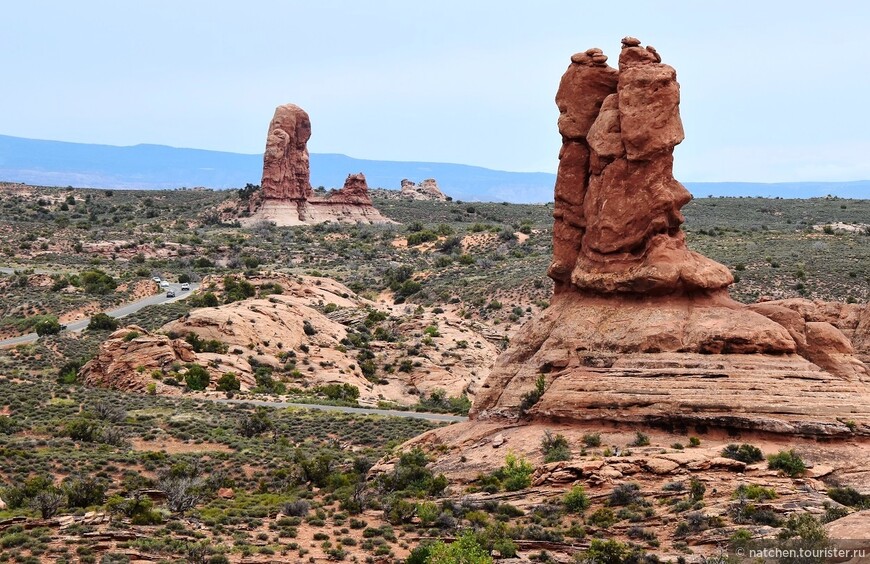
[
  {"x": 286, "y": 172},
  {"x": 290, "y": 327},
  {"x": 641, "y": 329},
  {"x": 426, "y": 190},
  {"x": 129, "y": 357},
  {"x": 617, "y": 212},
  {"x": 286, "y": 197}
]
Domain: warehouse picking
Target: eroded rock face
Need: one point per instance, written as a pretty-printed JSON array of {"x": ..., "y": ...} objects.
[
  {"x": 617, "y": 212},
  {"x": 354, "y": 191},
  {"x": 426, "y": 190},
  {"x": 129, "y": 357},
  {"x": 286, "y": 197},
  {"x": 286, "y": 169},
  {"x": 640, "y": 328}
]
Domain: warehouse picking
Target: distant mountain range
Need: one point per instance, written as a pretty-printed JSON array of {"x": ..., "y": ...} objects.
[{"x": 58, "y": 163}]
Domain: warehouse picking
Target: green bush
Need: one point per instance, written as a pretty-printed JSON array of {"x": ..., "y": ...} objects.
[
  {"x": 102, "y": 322},
  {"x": 516, "y": 474},
  {"x": 47, "y": 326},
  {"x": 555, "y": 447},
  {"x": 849, "y": 496},
  {"x": 237, "y": 289},
  {"x": 788, "y": 461},
  {"x": 745, "y": 453},
  {"x": 531, "y": 398},
  {"x": 196, "y": 377},
  {"x": 228, "y": 382},
  {"x": 576, "y": 500},
  {"x": 607, "y": 552},
  {"x": 592, "y": 439},
  {"x": 97, "y": 282},
  {"x": 464, "y": 550},
  {"x": 339, "y": 392}
]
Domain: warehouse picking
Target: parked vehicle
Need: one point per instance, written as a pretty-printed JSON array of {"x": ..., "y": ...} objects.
[{"x": 156, "y": 279}]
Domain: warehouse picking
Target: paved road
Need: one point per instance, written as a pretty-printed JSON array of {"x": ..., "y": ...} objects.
[
  {"x": 356, "y": 410},
  {"x": 121, "y": 311}
]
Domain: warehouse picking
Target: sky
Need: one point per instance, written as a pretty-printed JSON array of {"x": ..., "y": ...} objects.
[{"x": 772, "y": 91}]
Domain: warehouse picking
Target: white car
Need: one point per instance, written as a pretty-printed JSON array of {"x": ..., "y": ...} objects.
[
  {"x": 156, "y": 279},
  {"x": 185, "y": 286},
  {"x": 164, "y": 284}
]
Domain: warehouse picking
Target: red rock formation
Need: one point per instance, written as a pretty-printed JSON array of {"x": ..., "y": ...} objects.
[
  {"x": 640, "y": 328},
  {"x": 354, "y": 191},
  {"x": 128, "y": 357},
  {"x": 286, "y": 197},
  {"x": 617, "y": 212},
  {"x": 286, "y": 172}
]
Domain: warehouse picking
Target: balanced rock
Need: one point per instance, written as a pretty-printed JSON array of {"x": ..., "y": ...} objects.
[{"x": 641, "y": 329}]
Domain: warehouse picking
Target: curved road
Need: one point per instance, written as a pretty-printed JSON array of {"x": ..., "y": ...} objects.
[{"x": 120, "y": 311}]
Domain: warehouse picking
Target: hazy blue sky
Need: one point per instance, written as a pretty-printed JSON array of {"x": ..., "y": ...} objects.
[{"x": 772, "y": 90}]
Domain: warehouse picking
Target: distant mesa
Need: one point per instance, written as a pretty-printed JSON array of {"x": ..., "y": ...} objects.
[{"x": 286, "y": 197}]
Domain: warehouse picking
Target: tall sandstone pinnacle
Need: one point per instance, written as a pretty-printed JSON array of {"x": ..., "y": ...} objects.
[
  {"x": 286, "y": 197},
  {"x": 617, "y": 214},
  {"x": 286, "y": 169},
  {"x": 641, "y": 329}
]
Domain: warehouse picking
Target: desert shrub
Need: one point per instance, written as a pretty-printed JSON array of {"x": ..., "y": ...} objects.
[
  {"x": 603, "y": 551},
  {"x": 182, "y": 492},
  {"x": 849, "y": 496},
  {"x": 236, "y": 289},
  {"x": 299, "y": 508},
  {"x": 411, "y": 474},
  {"x": 308, "y": 328},
  {"x": 625, "y": 494},
  {"x": 576, "y": 500},
  {"x": 555, "y": 447},
  {"x": 228, "y": 382},
  {"x": 20, "y": 495},
  {"x": 421, "y": 237},
  {"x": 788, "y": 461},
  {"x": 339, "y": 392},
  {"x": 82, "y": 429},
  {"x": 516, "y": 474},
  {"x": 464, "y": 550},
  {"x": 754, "y": 492},
  {"x": 744, "y": 453},
  {"x": 640, "y": 439},
  {"x": 84, "y": 491},
  {"x": 255, "y": 423},
  {"x": 196, "y": 377},
  {"x": 97, "y": 282},
  {"x": 697, "y": 489},
  {"x": 208, "y": 346},
  {"x": 531, "y": 398},
  {"x": 48, "y": 502},
  {"x": 68, "y": 373},
  {"x": 49, "y": 325},
  {"x": 592, "y": 439},
  {"x": 102, "y": 322}
]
